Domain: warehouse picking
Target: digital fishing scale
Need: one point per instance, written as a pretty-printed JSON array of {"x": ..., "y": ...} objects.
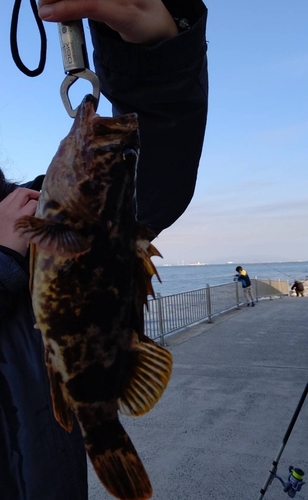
[
  {"x": 75, "y": 62},
  {"x": 74, "y": 54}
]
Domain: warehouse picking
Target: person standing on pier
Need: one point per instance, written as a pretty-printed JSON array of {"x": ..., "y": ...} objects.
[{"x": 243, "y": 277}]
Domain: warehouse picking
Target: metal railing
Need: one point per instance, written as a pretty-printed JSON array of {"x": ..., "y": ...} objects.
[{"x": 168, "y": 314}]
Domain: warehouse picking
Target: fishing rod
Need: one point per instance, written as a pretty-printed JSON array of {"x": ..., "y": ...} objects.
[
  {"x": 277, "y": 270},
  {"x": 294, "y": 482},
  {"x": 268, "y": 265}
]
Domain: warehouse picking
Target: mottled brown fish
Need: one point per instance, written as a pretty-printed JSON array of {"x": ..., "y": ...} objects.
[{"x": 90, "y": 276}]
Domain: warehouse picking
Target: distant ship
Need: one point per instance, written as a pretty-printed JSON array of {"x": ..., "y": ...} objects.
[
  {"x": 230, "y": 262},
  {"x": 197, "y": 264}
]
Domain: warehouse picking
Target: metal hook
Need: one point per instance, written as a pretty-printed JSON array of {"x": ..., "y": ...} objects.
[
  {"x": 69, "y": 80},
  {"x": 75, "y": 62}
]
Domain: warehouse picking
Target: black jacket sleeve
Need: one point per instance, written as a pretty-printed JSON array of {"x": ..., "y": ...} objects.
[
  {"x": 13, "y": 278},
  {"x": 167, "y": 85}
]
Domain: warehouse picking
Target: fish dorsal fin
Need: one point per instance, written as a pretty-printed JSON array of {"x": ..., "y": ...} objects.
[
  {"x": 145, "y": 250},
  {"x": 151, "y": 371},
  {"x": 52, "y": 236}
]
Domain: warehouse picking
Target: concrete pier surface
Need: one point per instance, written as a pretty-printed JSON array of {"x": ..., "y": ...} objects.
[{"x": 220, "y": 423}]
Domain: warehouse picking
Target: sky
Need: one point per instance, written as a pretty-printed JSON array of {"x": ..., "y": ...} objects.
[{"x": 251, "y": 197}]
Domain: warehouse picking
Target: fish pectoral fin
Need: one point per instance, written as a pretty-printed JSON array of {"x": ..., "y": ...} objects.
[
  {"x": 151, "y": 371},
  {"x": 114, "y": 457},
  {"x": 62, "y": 412},
  {"x": 52, "y": 236}
]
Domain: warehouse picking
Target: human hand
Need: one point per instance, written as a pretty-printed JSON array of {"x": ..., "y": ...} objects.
[
  {"x": 137, "y": 21},
  {"x": 20, "y": 202}
]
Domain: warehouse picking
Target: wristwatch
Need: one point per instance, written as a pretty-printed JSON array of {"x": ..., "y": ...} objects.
[{"x": 182, "y": 24}]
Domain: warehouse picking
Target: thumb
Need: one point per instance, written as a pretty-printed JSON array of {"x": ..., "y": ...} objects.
[
  {"x": 61, "y": 10},
  {"x": 29, "y": 208}
]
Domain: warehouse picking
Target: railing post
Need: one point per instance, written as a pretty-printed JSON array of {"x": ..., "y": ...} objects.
[
  {"x": 256, "y": 282},
  {"x": 208, "y": 302},
  {"x": 270, "y": 284},
  {"x": 160, "y": 319},
  {"x": 237, "y": 295}
]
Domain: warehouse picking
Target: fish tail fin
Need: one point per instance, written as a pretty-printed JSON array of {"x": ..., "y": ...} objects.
[{"x": 113, "y": 456}]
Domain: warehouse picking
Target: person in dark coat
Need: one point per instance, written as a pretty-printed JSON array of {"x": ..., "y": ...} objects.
[
  {"x": 155, "y": 65},
  {"x": 159, "y": 72},
  {"x": 38, "y": 459},
  {"x": 299, "y": 288}
]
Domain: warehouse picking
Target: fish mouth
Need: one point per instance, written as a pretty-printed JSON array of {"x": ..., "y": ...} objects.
[
  {"x": 88, "y": 121},
  {"x": 86, "y": 111},
  {"x": 90, "y": 104}
]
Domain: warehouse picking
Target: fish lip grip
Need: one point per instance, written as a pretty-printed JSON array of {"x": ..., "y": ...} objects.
[{"x": 75, "y": 62}]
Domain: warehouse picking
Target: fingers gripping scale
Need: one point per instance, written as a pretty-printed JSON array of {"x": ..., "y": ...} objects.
[{"x": 75, "y": 62}]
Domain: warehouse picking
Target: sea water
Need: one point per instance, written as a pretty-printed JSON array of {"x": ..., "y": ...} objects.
[{"x": 177, "y": 279}]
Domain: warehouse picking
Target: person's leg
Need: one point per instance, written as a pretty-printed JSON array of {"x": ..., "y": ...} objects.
[
  {"x": 246, "y": 295},
  {"x": 251, "y": 295}
]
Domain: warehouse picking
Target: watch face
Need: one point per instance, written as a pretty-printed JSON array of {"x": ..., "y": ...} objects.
[{"x": 182, "y": 23}]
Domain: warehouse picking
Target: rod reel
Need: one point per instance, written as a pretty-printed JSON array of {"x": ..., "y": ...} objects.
[{"x": 294, "y": 482}]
